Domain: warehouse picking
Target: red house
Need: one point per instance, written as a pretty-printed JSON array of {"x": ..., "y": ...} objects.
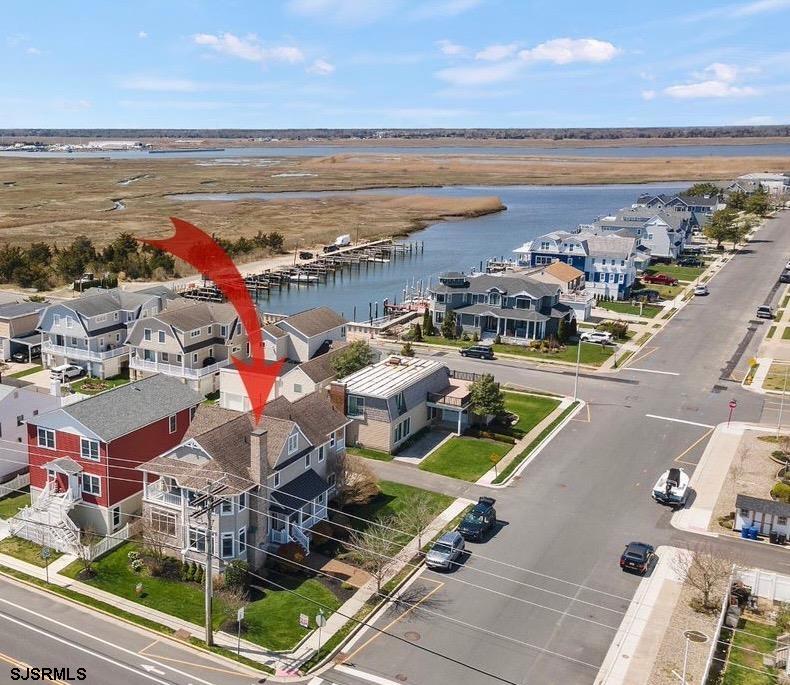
[{"x": 83, "y": 458}]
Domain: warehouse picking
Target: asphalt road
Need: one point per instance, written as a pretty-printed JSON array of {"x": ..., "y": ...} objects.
[{"x": 584, "y": 497}]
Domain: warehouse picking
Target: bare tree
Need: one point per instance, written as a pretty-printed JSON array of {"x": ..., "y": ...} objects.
[
  {"x": 231, "y": 599},
  {"x": 355, "y": 482},
  {"x": 705, "y": 570},
  {"x": 416, "y": 516},
  {"x": 372, "y": 549},
  {"x": 84, "y": 550},
  {"x": 155, "y": 541}
]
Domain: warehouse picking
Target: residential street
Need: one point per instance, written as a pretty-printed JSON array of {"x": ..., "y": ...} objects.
[{"x": 585, "y": 497}]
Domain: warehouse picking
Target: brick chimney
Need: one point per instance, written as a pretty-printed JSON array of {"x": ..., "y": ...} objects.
[
  {"x": 259, "y": 457},
  {"x": 337, "y": 396},
  {"x": 258, "y": 505}
]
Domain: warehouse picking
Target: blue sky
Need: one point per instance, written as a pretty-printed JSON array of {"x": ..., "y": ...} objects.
[{"x": 393, "y": 63}]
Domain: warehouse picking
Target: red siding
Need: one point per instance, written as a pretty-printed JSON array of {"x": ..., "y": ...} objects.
[{"x": 126, "y": 453}]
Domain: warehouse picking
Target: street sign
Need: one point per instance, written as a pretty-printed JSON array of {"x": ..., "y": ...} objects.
[
  {"x": 46, "y": 552},
  {"x": 304, "y": 620},
  {"x": 320, "y": 620},
  {"x": 733, "y": 404},
  {"x": 240, "y": 615}
]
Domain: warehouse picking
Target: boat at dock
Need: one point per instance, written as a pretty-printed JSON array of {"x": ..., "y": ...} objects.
[
  {"x": 185, "y": 149},
  {"x": 303, "y": 278}
]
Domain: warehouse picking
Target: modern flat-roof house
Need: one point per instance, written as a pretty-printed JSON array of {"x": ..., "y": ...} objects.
[
  {"x": 608, "y": 261},
  {"x": 17, "y": 407},
  {"x": 18, "y": 329},
  {"x": 767, "y": 515},
  {"x": 397, "y": 397},
  {"x": 305, "y": 335},
  {"x": 274, "y": 479},
  {"x": 91, "y": 331},
  {"x": 187, "y": 340},
  {"x": 83, "y": 458},
  {"x": 774, "y": 184},
  {"x": 295, "y": 380},
  {"x": 517, "y": 308}
]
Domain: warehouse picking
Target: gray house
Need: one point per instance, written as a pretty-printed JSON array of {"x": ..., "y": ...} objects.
[
  {"x": 517, "y": 308},
  {"x": 18, "y": 322},
  {"x": 305, "y": 335},
  {"x": 187, "y": 340},
  {"x": 91, "y": 330},
  {"x": 274, "y": 480}
]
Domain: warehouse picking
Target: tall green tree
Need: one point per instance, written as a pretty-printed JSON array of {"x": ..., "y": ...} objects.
[
  {"x": 737, "y": 200},
  {"x": 356, "y": 356},
  {"x": 702, "y": 189},
  {"x": 487, "y": 397},
  {"x": 427, "y": 323},
  {"x": 720, "y": 226},
  {"x": 449, "y": 325},
  {"x": 758, "y": 202}
]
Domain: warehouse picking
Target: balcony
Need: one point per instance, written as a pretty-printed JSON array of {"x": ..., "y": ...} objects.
[
  {"x": 582, "y": 297},
  {"x": 157, "y": 493},
  {"x": 176, "y": 369},
  {"x": 48, "y": 347},
  {"x": 455, "y": 395}
]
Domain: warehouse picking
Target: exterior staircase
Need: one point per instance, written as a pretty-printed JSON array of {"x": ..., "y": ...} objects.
[{"x": 46, "y": 522}]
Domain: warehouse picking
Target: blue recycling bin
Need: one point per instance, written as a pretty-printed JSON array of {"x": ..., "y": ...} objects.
[
  {"x": 753, "y": 531},
  {"x": 745, "y": 533}
]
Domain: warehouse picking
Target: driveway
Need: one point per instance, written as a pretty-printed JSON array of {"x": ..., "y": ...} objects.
[{"x": 422, "y": 446}]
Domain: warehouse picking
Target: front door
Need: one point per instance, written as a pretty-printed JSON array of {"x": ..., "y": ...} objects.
[{"x": 61, "y": 482}]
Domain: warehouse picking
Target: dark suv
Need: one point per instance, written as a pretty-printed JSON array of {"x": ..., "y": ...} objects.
[
  {"x": 479, "y": 351},
  {"x": 479, "y": 520},
  {"x": 637, "y": 556}
]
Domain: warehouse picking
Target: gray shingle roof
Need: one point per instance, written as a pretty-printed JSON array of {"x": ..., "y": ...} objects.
[
  {"x": 188, "y": 315},
  {"x": 319, "y": 369},
  {"x": 515, "y": 314},
  {"x": 314, "y": 414},
  {"x": 119, "y": 411},
  {"x": 14, "y": 309},
  {"x": 510, "y": 284},
  {"x": 767, "y": 506},
  {"x": 96, "y": 301},
  {"x": 295, "y": 494},
  {"x": 314, "y": 321},
  {"x": 610, "y": 246}
]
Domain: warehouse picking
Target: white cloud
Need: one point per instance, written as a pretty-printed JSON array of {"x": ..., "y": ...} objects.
[
  {"x": 33, "y": 51},
  {"x": 159, "y": 85},
  {"x": 648, "y": 94},
  {"x": 248, "y": 48},
  {"x": 759, "y": 7},
  {"x": 142, "y": 34},
  {"x": 496, "y": 52},
  {"x": 344, "y": 12},
  {"x": 481, "y": 75},
  {"x": 444, "y": 8},
  {"x": 717, "y": 80},
  {"x": 321, "y": 67},
  {"x": 567, "y": 50},
  {"x": 449, "y": 48}
]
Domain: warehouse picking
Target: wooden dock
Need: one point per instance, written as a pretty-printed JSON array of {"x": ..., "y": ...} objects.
[{"x": 312, "y": 272}]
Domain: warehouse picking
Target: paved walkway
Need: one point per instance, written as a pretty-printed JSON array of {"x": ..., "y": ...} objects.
[
  {"x": 633, "y": 651},
  {"x": 411, "y": 475},
  {"x": 522, "y": 444}
]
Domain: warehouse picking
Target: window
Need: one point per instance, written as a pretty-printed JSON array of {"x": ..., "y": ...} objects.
[
  {"x": 208, "y": 330},
  {"x": 439, "y": 317},
  {"x": 46, "y": 438},
  {"x": 69, "y": 322},
  {"x": 293, "y": 443},
  {"x": 745, "y": 513},
  {"x": 247, "y": 349},
  {"x": 89, "y": 449},
  {"x": 161, "y": 336},
  {"x": 402, "y": 429},
  {"x": 781, "y": 521},
  {"x": 239, "y": 329},
  {"x": 20, "y": 419},
  {"x": 146, "y": 334},
  {"x": 192, "y": 411},
  {"x": 163, "y": 522},
  {"x": 115, "y": 316},
  {"x": 116, "y": 517},
  {"x": 242, "y": 541},
  {"x": 321, "y": 453},
  {"x": 197, "y": 539},
  {"x": 603, "y": 261},
  {"x": 91, "y": 484},
  {"x": 172, "y": 423},
  {"x": 73, "y": 341},
  {"x": 400, "y": 403},
  {"x": 277, "y": 479},
  {"x": 165, "y": 356},
  {"x": 332, "y": 439},
  {"x": 298, "y": 388},
  {"x": 342, "y": 331},
  {"x": 56, "y": 319},
  {"x": 307, "y": 460},
  {"x": 356, "y": 405},
  {"x": 242, "y": 501},
  {"x": 195, "y": 333},
  {"x": 622, "y": 262},
  {"x": 179, "y": 358},
  {"x": 117, "y": 337},
  {"x": 195, "y": 358},
  {"x": 101, "y": 318},
  {"x": 223, "y": 331},
  {"x": 226, "y": 507}
]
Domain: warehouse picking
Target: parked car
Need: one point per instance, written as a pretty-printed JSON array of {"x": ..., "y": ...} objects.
[
  {"x": 445, "y": 552},
  {"x": 65, "y": 372},
  {"x": 787, "y": 266},
  {"x": 21, "y": 356},
  {"x": 646, "y": 295},
  {"x": 305, "y": 255},
  {"x": 480, "y": 519},
  {"x": 637, "y": 556},
  {"x": 659, "y": 279},
  {"x": 785, "y": 277},
  {"x": 690, "y": 261},
  {"x": 479, "y": 351},
  {"x": 701, "y": 289},
  {"x": 765, "y": 312},
  {"x": 331, "y": 248},
  {"x": 602, "y": 337}
]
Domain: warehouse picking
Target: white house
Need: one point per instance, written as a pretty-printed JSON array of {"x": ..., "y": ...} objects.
[
  {"x": 305, "y": 335},
  {"x": 774, "y": 184},
  {"x": 663, "y": 232},
  {"x": 766, "y": 515}
]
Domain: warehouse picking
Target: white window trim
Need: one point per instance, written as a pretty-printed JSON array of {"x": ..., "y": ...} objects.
[
  {"x": 38, "y": 438},
  {"x": 226, "y": 507},
  {"x": 90, "y": 442},
  {"x": 293, "y": 443},
  {"x": 321, "y": 453},
  {"x": 147, "y": 334},
  {"x": 86, "y": 477},
  {"x": 172, "y": 423},
  {"x": 227, "y": 536},
  {"x": 276, "y": 479},
  {"x": 307, "y": 460},
  {"x": 242, "y": 545}
]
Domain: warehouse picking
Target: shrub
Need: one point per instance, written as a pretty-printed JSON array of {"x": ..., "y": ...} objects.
[
  {"x": 237, "y": 575},
  {"x": 498, "y": 339},
  {"x": 475, "y": 337},
  {"x": 342, "y": 524},
  {"x": 322, "y": 532},
  {"x": 407, "y": 350},
  {"x": 290, "y": 558},
  {"x": 465, "y": 337},
  {"x": 137, "y": 565},
  {"x": 619, "y": 329},
  {"x": 781, "y": 492},
  {"x": 133, "y": 555},
  {"x": 165, "y": 567},
  {"x": 199, "y": 573}
]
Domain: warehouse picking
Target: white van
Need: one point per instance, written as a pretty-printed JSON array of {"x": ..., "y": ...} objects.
[
  {"x": 343, "y": 240},
  {"x": 65, "y": 372}
]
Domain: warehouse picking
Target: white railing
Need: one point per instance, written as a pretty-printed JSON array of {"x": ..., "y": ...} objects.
[
  {"x": 16, "y": 483},
  {"x": 106, "y": 544},
  {"x": 584, "y": 297},
  {"x": 176, "y": 369},
  {"x": 279, "y": 537},
  {"x": 78, "y": 353},
  {"x": 299, "y": 536},
  {"x": 156, "y": 493}
]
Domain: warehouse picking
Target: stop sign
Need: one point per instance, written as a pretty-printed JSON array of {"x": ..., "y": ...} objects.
[{"x": 733, "y": 404}]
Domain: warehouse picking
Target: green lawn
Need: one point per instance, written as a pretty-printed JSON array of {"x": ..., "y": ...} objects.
[
  {"x": 465, "y": 458},
  {"x": 26, "y": 551},
  {"x": 531, "y": 410},
  {"x": 775, "y": 379},
  {"x": 592, "y": 353},
  {"x": 26, "y": 372},
  {"x": 13, "y": 503},
  {"x": 785, "y": 334},
  {"x": 272, "y": 621},
  {"x": 682, "y": 273},
  {"x": 625, "y": 307},
  {"x": 92, "y": 386},
  {"x": 751, "y": 655},
  {"x": 368, "y": 453}
]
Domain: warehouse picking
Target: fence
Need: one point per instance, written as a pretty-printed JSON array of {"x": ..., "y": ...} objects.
[
  {"x": 766, "y": 584},
  {"x": 120, "y": 536},
  {"x": 16, "y": 483},
  {"x": 714, "y": 645}
]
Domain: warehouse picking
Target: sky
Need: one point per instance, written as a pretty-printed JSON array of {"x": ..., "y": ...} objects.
[{"x": 393, "y": 63}]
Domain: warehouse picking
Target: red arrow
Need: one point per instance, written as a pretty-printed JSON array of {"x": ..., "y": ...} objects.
[{"x": 201, "y": 251}]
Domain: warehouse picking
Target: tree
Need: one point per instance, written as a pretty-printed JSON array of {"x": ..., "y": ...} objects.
[
  {"x": 417, "y": 333},
  {"x": 84, "y": 550},
  {"x": 427, "y": 323},
  {"x": 720, "y": 226},
  {"x": 155, "y": 542},
  {"x": 562, "y": 331},
  {"x": 487, "y": 397},
  {"x": 416, "y": 515},
  {"x": 448, "y": 325},
  {"x": 758, "y": 202},
  {"x": 742, "y": 228},
  {"x": 704, "y": 570},
  {"x": 373, "y": 548},
  {"x": 11, "y": 259},
  {"x": 355, "y": 482},
  {"x": 407, "y": 350},
  {"x": 703, "y": 189},
  {"x": 275, "y": 241},
  {"x": 71, "y": 261},
  {"x": 39, "y": 253},
  {"x": 230, "y": 600},
  {"x": 737, "y": 200},
  {"x": 356, "y": 356}
]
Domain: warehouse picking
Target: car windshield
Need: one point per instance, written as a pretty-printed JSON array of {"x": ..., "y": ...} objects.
[
  {"x": 442, "y": 548},
  {"x": 474, "y": 518},
  {"x": 637, "y": 556}
]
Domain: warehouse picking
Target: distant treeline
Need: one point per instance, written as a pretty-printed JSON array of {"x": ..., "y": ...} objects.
[{"x": 412, "y": 133}]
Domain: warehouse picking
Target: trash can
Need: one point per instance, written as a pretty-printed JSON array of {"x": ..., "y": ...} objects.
[
  {"x": 782, "y": 539},
  {"x": 773, "y": 536},
  {"x": 753, "y": 532},
  {"x": 745, "y": 533}
]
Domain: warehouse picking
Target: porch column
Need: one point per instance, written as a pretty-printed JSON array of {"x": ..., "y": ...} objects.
[{"x": 459, "y": 422}]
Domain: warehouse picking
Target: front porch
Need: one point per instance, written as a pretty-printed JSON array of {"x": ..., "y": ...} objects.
[
  {"x": 296, "y": 508},
  {"x": 450, "y": 406}
]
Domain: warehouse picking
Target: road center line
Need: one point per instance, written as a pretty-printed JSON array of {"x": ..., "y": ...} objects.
[
  {"x": 669, "y": 418},
  {"x": 663, "y": 373}
]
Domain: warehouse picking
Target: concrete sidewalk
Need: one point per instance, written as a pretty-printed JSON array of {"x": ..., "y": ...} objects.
[{"x": 633, "y": 651}]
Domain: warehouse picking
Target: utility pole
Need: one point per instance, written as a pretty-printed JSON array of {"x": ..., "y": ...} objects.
[
  {"x": 578, "y": 360},
  {"x": 782, "y": 405}
]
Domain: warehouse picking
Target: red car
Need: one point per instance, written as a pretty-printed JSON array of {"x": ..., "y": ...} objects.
[{"x": 660, "y": 279}]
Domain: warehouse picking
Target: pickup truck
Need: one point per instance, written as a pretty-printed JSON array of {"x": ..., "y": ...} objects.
[{"x": 660, "y": 279}]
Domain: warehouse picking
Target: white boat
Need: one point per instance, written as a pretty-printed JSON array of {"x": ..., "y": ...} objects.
[
  {"x": 672, "y": 487},
  {"x": 303, "y": 278}
]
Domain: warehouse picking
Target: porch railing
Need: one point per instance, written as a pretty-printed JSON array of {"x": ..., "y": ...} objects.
[
  {"x": 464, "y": 375},
  {"x": 438, "y": 398},
  {"x": 16, "y": 483},
  {"x": 279, "y": 537},
  {"x": 155, "y": 492},
  {"x": 300, "y": 537},
  {"x": 176, "y": 369},
  {"x": 79, "y": 353}
]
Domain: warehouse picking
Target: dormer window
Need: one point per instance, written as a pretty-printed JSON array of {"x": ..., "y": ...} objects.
[
  {"x": 293, "y": 443},
  {"x": 161, "y": 336},
  {"x": 195, "y": 333},
  {"x": 223, "y": 331},
  {"x": 147, "y": 334}
]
